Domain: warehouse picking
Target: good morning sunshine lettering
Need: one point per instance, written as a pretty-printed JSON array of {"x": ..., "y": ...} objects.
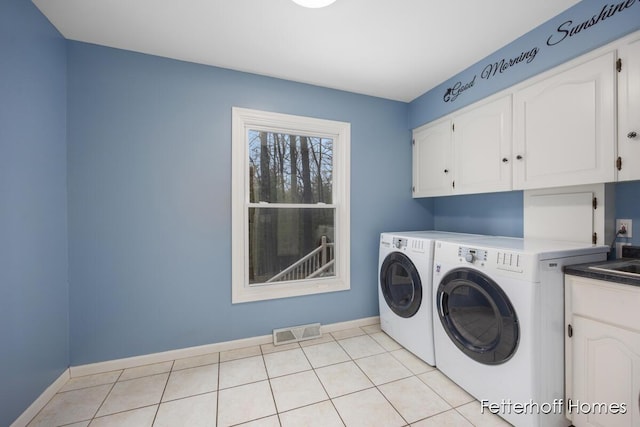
[{"x": 563, "y": 32}]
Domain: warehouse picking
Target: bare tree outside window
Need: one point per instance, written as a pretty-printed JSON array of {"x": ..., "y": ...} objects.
[{"x": 291, "y": 232}]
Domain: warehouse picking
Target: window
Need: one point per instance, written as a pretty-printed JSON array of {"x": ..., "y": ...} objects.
[{"x": 290, "y": 205}]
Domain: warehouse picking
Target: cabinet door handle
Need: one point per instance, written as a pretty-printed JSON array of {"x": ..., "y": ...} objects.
[
  {"x": 632, "y": 134},
  {"x": 446, "y": 171},
  {"x": 519, "y": 157},
  {"x": 505, "y": 160}
]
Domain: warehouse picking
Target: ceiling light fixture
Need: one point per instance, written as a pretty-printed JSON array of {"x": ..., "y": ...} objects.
[{"x": 315, "y": 4}]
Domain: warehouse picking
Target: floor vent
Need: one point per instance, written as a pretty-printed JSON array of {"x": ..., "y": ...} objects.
[{"x": 296, "y": 333}]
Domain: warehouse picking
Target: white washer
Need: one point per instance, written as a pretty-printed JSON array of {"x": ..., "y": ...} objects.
[
  {"x": 404, "y": 288},
  {"x": 499, "y": 322}
]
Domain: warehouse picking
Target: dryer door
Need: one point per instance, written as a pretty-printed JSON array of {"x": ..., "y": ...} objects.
[
  {"x": 400, "y": 284},
  {"x": 478, "y": 316}
]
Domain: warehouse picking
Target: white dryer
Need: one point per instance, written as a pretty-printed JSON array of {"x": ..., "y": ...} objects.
[
  {"x": 404, "y": 288},
  {"x": 499, "y": 322}
]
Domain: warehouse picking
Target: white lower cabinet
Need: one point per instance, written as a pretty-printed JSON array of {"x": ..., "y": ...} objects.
[{"x": 602, "y": 353}]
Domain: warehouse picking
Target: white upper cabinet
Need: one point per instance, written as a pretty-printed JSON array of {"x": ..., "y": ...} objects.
[
  {"x": 482, "y": 148},
  {"x": 565, "y": 127},
  {"x": 432, "y": 151},
  {"x": 577, "y": 124},
  {"x": 469, "y": 152},
  {"x": 629, "y": 110}
]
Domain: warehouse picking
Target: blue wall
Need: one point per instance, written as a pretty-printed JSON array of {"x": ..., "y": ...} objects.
[
  {"x": 149, "y": 154},
  {"x": 628, "y": 207},
  {"x": 34, "y": 348},
  {"x": 495, "y": 213},
  {"x": 144, "y": 181}
]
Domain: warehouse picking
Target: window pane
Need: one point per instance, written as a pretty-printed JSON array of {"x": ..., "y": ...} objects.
[
  {"x": 287, "y": 168},
  {"x": 290, "y": 244}
]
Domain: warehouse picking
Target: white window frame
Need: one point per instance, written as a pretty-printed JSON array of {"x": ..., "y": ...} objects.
[{"x": 244, "y": 120}]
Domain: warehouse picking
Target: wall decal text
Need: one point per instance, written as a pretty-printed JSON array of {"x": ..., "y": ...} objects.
[
  {"x": 452, "y": 93},
  {"x": 564, "y": 31},
  {"x": 567, "y": 29},
  {"x": 505, "y": 64}
]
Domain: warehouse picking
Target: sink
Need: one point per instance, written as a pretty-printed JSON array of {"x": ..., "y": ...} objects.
[{"x": 630, "y": 267}]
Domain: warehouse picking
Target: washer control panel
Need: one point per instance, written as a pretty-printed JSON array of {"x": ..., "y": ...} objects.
[
  {"x": 471, "y": 254},
  {"x": 399, "y": 242},
  {"x": 509, "y": 261}
]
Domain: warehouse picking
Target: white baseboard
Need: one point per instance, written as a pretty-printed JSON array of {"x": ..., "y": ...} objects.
[
  {"x": 366, "y": 321},
  {"x": 42, "y": 400},
  {"x": 166, "y": 356}
]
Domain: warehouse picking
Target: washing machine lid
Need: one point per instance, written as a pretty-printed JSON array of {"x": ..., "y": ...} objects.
[
  {"x": 543, "y": 249},
  {"x": 431, "y": 235},
  {"x": 400, "y": 284},
  {"x": 478, "y": 316}
]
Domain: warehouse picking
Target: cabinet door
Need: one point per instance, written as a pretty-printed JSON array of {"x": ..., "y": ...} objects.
[
  {"x": 431, "y": 157},
  {"x": 564, "y": 127},
  {"x": 629, "y": 111},
  {"x": 606, "y": 371},
  {"x": 482, "y": 148}
]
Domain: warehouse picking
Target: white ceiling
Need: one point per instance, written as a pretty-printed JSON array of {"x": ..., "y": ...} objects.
[{"x": 395, "y": 49}]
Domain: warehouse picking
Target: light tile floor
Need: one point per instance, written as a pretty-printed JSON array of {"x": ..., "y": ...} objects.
[{"x": 353, "y": 377}]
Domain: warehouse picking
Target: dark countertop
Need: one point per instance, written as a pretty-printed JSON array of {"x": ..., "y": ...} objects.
[{"x": 583, "y": 270}]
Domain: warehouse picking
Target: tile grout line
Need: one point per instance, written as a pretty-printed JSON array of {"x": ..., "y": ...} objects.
[
  {"x": 376, "y": 386},
  {"x": 314, "y": 369},
  {"x": 136, "y": 408},
  {"x": 316, "y": 374},
  {"x": 105, "y": 398},
  {"x": 273, "y": 397},
  {"x": 413, "y": 374},
  {"x": 164, "y": 390},
  {"x": 463, "y": 416},
  {"x": 217, "y": 420},
  {"x": 324, "y": 388}
]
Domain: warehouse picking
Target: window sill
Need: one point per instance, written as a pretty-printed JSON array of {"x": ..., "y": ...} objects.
[{"x": 242, "y": 294}]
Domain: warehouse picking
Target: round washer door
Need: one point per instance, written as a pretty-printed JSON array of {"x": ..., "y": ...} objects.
[
  {"x": 478, "y": 316},
  {"x": 400, "y": 284}
]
